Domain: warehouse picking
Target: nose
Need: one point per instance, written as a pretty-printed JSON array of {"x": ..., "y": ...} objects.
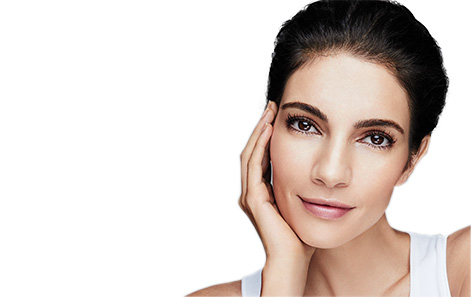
[{"x": 332, "y": 166}]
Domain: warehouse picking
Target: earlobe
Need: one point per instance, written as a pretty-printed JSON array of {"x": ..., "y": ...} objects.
[{"x": 421, "y": 152}]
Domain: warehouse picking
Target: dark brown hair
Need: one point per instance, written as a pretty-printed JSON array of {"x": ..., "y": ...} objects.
[{"x": 383, "y": 32}]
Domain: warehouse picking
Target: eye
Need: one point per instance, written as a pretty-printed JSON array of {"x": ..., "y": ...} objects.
[
  {"x": 301, "y": 124},
  {"x": 378, "y": 140}
]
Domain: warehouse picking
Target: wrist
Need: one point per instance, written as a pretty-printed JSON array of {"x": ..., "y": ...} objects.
[
  {"x": 301, "y": 255},
  {"x": 292, "y": 260},
  {"x": 285, "y": 276}
]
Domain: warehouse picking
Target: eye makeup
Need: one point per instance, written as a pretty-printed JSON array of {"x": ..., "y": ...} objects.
[
  {"x": 302, "y": 124},
  {"x": 379, "y": 139},
  {"x": 376, "y": 139}
]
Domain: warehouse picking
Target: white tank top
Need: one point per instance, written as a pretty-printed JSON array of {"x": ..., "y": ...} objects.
[{"x": 428, "y": 277}]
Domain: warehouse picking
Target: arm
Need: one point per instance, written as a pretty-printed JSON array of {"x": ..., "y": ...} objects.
[
  {"x": 459, "y": 262},
  {"x": 287, "y": 257},
  {"x": 227, "y": 289}
]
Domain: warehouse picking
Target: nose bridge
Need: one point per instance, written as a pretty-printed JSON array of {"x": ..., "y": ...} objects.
[{"x": 332, "y": 166}]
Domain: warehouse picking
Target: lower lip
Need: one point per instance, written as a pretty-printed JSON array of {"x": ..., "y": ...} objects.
[{"x": 326, "y": 212}]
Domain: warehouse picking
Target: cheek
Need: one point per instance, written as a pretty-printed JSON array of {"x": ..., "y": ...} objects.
[
  {"x": 375, "y": 178},
  {"x": 288, "y": 160},
  {"x": 292, "y": 161},
  {"x": 279, "y": 161},
  {"x": 287, "y": 175}
]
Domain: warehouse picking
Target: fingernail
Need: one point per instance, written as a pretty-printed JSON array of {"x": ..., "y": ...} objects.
[{"x": 265, "y": 126}]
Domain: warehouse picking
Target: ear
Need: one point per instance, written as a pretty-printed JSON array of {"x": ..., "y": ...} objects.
[{"x": 424, "y": 144}]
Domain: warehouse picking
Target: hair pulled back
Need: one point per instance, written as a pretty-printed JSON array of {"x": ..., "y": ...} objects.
[{"x": 382, "y": 32}]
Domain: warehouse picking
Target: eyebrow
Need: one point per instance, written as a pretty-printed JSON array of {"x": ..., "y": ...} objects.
[
  {"x": 360, "y": 124},
  {"x": 307, "y": 108},
  {"x": 378, "y": 122}
]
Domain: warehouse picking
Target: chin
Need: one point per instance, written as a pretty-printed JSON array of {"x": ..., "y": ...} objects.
[
  {"x": 326, "y": 234},
  {"x": 323, "y": 240},
  {"x": 317, "y": 232}
]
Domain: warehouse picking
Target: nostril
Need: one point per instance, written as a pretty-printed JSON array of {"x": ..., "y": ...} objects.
[
  {"x": 331, "y": 165},
  {"x": 330, "y": 183},
  {"x": 319, "y": 181}
]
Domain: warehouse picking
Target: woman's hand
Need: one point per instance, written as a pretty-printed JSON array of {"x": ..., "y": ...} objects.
[{"x": 287, "y": 256}]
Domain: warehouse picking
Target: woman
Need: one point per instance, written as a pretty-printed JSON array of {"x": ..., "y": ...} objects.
[{"x": 355, "y": 91}]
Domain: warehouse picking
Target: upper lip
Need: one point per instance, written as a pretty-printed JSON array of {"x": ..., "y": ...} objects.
[{"x": 327, "y": 202}]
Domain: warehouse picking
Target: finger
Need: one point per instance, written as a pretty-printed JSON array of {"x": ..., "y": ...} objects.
[
  {"x": 266, "y": 165},
  {"x": 247, "y": 152},
  {"x": 267, "y": 117},
  {"x": 254, "y": 166}
]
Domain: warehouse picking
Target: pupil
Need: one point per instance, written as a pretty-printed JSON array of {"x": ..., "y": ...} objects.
[
  {"x": 377, "y": 139},
  {"x": 303, "y": 125}
]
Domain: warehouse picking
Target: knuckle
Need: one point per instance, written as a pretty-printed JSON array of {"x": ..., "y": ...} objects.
[
  {"x": 242, "y": 202},
  {"x": 250, "y": 200},
  {"x": 250, "y": 160},
  {"x": 241, "y": 205},
  {"x": 251, "y": 164},
  {"x": 243, "y": 156},
  {"x": 251, "y": 204}
]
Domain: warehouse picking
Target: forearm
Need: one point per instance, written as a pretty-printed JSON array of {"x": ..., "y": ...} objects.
[{"x": 284, "y": 277}]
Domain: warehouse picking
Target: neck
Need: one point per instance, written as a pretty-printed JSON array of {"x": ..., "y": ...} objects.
[{"x": 373, "y": 263}]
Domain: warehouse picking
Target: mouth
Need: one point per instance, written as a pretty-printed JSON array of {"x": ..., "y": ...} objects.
[{"x": 326, "y": 209}]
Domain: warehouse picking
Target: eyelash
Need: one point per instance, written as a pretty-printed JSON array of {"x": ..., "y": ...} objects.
[
  {"x": 291, "y": 119},
  {"x": 391, "y": 140}
]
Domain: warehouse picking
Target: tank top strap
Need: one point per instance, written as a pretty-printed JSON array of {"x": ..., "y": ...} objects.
[
  {"x": 428, "y": 275},
  {"x": 252, "y": 284}
]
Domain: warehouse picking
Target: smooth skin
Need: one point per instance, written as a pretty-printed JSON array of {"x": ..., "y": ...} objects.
[{"x": 334, "y": 157}]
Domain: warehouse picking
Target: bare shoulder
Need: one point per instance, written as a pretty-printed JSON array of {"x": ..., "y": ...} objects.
[
  {"x": 226, "y": 289},
  {"x": 458, "y": 262}
]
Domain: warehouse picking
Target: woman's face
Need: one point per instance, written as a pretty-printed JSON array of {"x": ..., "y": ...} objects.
[{"x": 340, "y": 139}]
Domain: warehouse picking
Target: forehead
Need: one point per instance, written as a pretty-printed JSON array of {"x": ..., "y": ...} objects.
[{"x": 347, "y": 88}]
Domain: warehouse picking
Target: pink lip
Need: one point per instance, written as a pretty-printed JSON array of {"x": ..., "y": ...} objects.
[{"x": 326, "y": 209}]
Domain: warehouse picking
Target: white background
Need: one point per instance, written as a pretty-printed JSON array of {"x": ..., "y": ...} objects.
[{"x": 121, "y": 125}]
